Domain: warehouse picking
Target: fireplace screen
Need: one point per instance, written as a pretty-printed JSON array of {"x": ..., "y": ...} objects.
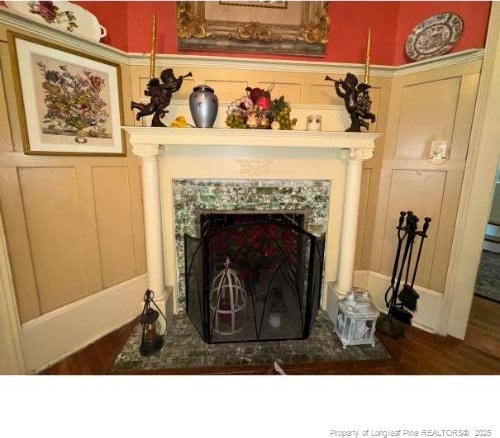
[{"x": 253, "y": 277}]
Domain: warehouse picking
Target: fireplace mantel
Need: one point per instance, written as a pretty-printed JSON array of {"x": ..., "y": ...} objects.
[
  {"x": 152, "y": 145},
  {"x": 258, "y": 138}
]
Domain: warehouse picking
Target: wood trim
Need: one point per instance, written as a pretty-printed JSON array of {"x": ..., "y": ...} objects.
[
  {"x": 12, "y": 357},
  {"x": 57, "y": 334},
  {"x": 476, "y": 196}
]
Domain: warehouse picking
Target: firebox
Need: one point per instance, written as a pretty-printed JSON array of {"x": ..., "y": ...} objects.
[{"x": 253, "y": 276}]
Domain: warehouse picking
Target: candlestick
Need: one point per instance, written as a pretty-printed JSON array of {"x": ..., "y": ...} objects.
[
  {"x": 152, "y": 58},
  {"x": 367, "y": 59}
]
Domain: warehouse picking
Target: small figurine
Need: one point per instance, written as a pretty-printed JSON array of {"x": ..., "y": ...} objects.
[
  {"x": 160, "y": 95},
  {"x": 357, "y": 101}
]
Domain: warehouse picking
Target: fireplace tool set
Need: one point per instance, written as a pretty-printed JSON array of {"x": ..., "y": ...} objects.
[{"x": 401, "y": 299}]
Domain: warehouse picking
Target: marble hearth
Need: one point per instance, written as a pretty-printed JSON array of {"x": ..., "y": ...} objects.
[{"x": 170, "y": 155}]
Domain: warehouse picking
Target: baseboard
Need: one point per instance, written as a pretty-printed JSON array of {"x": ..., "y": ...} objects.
[
  {"x": 57, "y": 334},
  {"x": 429, "y": 306}
]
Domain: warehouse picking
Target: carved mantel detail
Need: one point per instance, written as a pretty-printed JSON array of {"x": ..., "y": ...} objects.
[
  {"x": 146, "y": 150},
  {"x": 254, "y": 167},
  {"x": 357, "y": 154}
]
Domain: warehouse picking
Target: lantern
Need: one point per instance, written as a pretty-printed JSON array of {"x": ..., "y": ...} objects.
[
  {"x": 356, "y": 318},
  {"x": 151, "y": 341},
  {"x": 228, "y": 300}
]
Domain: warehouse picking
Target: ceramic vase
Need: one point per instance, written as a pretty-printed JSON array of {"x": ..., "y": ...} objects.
[{"x": 203, "y": 104}]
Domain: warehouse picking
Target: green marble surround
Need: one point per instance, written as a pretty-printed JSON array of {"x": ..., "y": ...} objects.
[
  {"x": 184, "y": 349},
  {"x": 191, "y": 195}
]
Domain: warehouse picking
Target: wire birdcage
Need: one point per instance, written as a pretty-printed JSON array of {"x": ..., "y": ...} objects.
[{"x": 228, "y": 300}]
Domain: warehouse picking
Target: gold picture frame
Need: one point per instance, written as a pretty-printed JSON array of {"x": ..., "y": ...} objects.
[
  {"x": 281, "y": 27},
  {"x": 69, "y": 103}
]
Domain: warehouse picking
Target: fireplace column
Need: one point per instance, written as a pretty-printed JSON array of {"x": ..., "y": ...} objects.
[
  {"x": 149, "y": 154},
  {"x": 355, "y": 158}
]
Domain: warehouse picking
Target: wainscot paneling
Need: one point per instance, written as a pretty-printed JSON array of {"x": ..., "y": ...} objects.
[
  {"x": 437, "y": 104},
  {"x": 423, "y": 190},
  {"x": 73, "y": 224},
  {"x": 21, "y": 262},
  {"x": 430, "y": 104},
  {"x": 116, "y": 243},
  {"x": 51, "y": 206}
]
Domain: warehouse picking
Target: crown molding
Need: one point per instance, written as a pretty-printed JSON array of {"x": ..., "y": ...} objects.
[
  {"x": 221, "y": 62},
  {"x": 234, "y": 63}
]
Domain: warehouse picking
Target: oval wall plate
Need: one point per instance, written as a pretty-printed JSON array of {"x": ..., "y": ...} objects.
[{"x": 434, "y": 36}]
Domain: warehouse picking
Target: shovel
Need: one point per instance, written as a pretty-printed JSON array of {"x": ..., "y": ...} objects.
[
  {"x": 401, "y": 237},
  {"x": 397, "y": 311},
  {"x": 409, "y": 295}
]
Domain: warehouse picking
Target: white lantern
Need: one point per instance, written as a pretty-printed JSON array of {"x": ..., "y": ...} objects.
[
  {"x": 356, "y": 318},
  {"x": 228, "y": 300}
]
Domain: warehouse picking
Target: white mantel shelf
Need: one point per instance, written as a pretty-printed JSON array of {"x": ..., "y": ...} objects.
[{"x": 250, "y": 138}]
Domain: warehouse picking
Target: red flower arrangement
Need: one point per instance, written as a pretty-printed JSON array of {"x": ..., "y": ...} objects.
[
  {"x": 251, "y": 248},
  {"x": 258, "y": 110}
]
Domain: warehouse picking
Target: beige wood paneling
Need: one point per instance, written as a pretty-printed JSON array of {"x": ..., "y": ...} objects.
[
  {"x": 445, "y": 229},
  {"x": 51, "y": 205},
  {"x": 89, "y": 228},
  {"x": 429, "y": 104},
  {"x": 5, "y": 134},
  {"x": 324, "y": 94},
  {"x": 137, "y": 218},
  {"x": 291, "y": 91},
  {"x": 421, "y": 192},
  {"x": 114, "y": 223},
  {"x": 423, "y": 106},
  {"x": 465, "y": 112},
  {"x": 227, "y": 90},
  {"x": 363, "y": 211},
  {"x": 49, "y": 210},
  {"x": 11, "y": 208},
  {"x": 10, "y": 99}
]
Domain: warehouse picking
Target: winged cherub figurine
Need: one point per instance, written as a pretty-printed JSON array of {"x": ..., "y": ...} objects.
[
  {"x": 160, "y": 94},
  {"x": 357, "y": 101}
]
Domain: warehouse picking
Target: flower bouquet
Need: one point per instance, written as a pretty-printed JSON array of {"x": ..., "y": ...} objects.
[
  {"x": 252, "y": 248},
  {"x": 258, "y": 110}
]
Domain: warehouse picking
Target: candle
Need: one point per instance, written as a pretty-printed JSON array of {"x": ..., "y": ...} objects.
[
  {"x": 152, "y": 58},
  {"x": 367, "y": 59}
]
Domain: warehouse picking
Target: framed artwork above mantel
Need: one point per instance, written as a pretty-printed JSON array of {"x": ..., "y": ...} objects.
[{"x": 280, "y": 27}]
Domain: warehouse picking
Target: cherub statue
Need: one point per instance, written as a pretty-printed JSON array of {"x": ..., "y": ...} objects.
[
  {"x": 160, "y": 94},
  {"x": 357, "y": 101}
]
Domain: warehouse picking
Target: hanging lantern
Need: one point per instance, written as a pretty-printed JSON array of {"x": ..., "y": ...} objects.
[
  {"x": 356, "y": 318},
  {"x": 228, "y": 300},
  {"x": 152, "y": 340}
]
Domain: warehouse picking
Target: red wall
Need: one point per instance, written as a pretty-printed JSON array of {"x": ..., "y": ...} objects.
[
  {"x": 129, "y": 27},
  {"x": 474, "y": 14}
]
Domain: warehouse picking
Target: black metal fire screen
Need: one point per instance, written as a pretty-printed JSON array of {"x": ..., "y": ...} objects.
[{"x": 249, "y": 278}]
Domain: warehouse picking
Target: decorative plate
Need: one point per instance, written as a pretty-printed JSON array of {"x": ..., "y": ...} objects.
[{"x": 435, "y": 36}]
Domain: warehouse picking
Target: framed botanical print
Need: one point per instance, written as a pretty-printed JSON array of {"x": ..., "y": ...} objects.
[{"x": 69, "y": 103}]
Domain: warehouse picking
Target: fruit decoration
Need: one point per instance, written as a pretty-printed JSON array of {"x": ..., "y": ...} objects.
[
  {"x": 180, "y": 122},
  {"x": 258, "y": 110}
]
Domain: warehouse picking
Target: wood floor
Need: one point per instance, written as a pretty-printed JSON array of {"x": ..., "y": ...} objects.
[{"x": 418, "y": 353}]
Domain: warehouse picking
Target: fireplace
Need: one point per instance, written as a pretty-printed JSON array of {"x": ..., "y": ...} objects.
[
  {"x": 253, "y": 276},
  {"x": 169, "y": 155}
]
